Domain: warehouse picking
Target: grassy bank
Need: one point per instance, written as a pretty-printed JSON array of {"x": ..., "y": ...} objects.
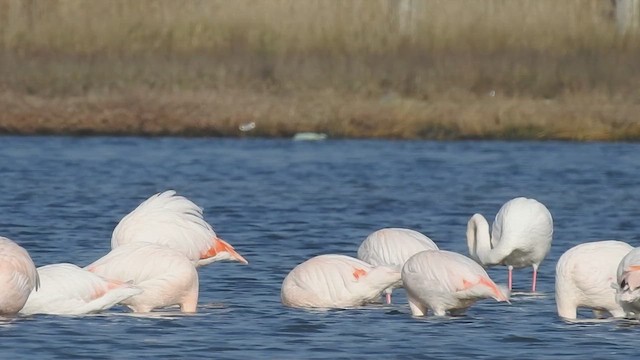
[{"x": 536, "y": 69}]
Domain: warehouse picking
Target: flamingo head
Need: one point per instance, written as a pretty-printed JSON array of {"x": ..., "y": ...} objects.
[{"x": 484, "y": 287}]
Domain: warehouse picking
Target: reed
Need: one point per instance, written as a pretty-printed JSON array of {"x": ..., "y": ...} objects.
[
  {"x": 286, "y": 26},
  {"x": 357, "y": 68}
]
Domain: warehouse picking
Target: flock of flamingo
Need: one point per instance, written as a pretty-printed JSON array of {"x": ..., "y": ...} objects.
[
  {"x": 155, "y": 251},
  {"x": 157, "y": 248},
  {"x": 603, "y": 275}
]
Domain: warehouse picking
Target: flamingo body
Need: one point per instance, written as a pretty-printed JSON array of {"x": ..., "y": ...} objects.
[
  {"x": 165, "y": 276},
  {"x": 335, "y": 281},
  {"x": 176, "y": 222},
  {"x": 521, "y": 236},
  {"x": 585, "y": 275},
  {"x": 445, "y": 281},
  {"x": 393, "y": 247},
  {"x": 18, "y": 276},
  {"x": 628, "y": 283},
  {"x": 71, "y": 290}
]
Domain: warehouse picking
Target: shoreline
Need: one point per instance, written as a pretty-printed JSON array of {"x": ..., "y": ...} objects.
[{"x": 220, "y": 113}]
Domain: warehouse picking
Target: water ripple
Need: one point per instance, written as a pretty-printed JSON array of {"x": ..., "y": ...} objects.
[{"x": 279, "y": 203}]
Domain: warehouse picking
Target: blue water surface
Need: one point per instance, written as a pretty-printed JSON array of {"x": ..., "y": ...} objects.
[{"x": 280, "y": 202}]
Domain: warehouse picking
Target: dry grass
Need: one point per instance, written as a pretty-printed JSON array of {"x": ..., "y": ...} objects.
[
  {"x": 349, "y": 68},
  {"x": 285, "y": 26},
  {"x": 220, "y": 113}
]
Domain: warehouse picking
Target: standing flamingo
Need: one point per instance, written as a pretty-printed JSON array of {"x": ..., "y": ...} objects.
[
  {"x": 628, "y": 283},
  {"x": 335, "y": 281},
  {"x": 18, "y": 276},
  {"x": 393, "y": 247},
  {"x": 445, "y": 281},
  {"x": 70, "y": 290},
  {"x": 584, "y": 278},
  {"x": 176, "y": 222},
  {"x": 165, "y": 276},
  {"x": 521, "y": 236}
]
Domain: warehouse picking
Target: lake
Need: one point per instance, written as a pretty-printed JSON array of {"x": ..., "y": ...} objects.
[{"x": 280, "y": 202}]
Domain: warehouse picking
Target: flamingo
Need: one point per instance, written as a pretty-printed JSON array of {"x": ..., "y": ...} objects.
[
  {"x": 165, "y": 276},
  {"x": 18, "y": 276},
  {"x": 584, "y": 275},
  {"x": 67, "y": 289},
  {"x": 393, "y": 247},
  {"x": 628, "y": 283},
  {"x": 335, "y": 281},
  {"x": 521, "y": 236},
  {"x": 176, "y": 222},
  {"x": 445, "y": 281}
]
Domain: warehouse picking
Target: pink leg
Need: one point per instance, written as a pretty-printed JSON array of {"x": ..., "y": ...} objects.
[
  {"x": 535, "y": 277},
  {"x": 388, "y": 298},
  {"x": 190, "y": 303},
  {"x": 510, "y": 277}
]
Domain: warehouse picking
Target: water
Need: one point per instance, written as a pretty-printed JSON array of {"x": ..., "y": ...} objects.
[{"x": 280, "y": 202}]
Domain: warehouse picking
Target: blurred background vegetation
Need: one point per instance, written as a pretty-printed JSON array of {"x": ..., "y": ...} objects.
[{"x": 542, "y": 69}]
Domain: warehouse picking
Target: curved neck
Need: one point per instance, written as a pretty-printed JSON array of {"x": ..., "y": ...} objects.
[{"x": 478, "y": 239}]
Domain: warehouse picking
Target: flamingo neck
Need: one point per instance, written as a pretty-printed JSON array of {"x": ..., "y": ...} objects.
[
  {"x": 479, "y": 239},
  {"x": 384, "y": 278}
]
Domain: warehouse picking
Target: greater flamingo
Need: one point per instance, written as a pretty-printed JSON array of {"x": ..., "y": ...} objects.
[
  {"x": 393, "y": 247},
  {"x": 176, "y": 222},
  {"x": 18, "y": 276},
  {"x": 444, "y": 281},
  {"x": 335, "y": 281},
  {"x": 584, "y": 278},
  {"x": 70, "y": 290},
  {"x": 520, "y": 237},
  {"x": 628, "y": 283}
]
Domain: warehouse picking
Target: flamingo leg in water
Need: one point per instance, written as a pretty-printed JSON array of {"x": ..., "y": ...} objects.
[
  {"x": 510, "y": 277},
  {"x": 535, "y": 277},
  {"x": 388, "y": 295}
]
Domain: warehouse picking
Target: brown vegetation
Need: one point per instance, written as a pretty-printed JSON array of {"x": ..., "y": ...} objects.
[{"x": 517, "y": 69}]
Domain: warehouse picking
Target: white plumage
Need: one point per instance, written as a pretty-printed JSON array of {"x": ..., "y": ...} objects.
[
  {"x": 176, "y": 222},
  {"x": 393, "y": 247},
  {"x": 521, "y": 236},
  {"x": 71, "y": 290},
  {"x": 585, "y": 277},
  {"x": 335, "y": 281},
  {"x": 165, "y": 276},
  {"x": 444, "y": 281},
  {"x": 18, "y": 276}
]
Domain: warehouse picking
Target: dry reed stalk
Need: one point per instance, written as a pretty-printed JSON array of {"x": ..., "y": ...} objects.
[
  {"x": 284, "y": 26},
  {"x": 467, "y": 69},
  {"x": 220, "y": 113}
]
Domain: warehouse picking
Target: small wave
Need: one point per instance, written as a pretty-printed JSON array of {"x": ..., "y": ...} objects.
[{"x": 521, "y": 339}]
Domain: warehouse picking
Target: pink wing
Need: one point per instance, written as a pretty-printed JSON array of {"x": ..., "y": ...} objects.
[
  {"x": 176, "y": 222},
  {"x": 446, "y": 281},
  {"x": 330, "y": 281},
  {"x": 18, "y": 276},
  {"x": 454, "y": 272},
  {"x": 68, "y": 289}
]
